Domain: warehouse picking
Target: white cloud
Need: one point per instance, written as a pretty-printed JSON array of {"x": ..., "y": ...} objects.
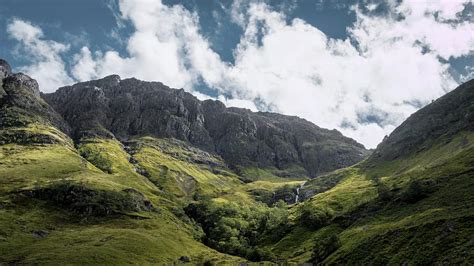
[
  {"x": 46, "y": 64},
  {"x": 424, "y": 22},
  {"x": 365, "y": 85},
  {"x": 247, "y": 104},
  {"x": 469, "y": 70},
  {"x": 364, "y": 90},
  {"x": 166, "y": 46}
]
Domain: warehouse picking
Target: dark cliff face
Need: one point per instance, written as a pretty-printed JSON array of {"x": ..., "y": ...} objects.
[
  {"x": 448, "y": 115},
  {"x": 21, "y": 104},
  {"x": 112, "y": 107}
]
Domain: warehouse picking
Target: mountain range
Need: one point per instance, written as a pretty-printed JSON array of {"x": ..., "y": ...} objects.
[{"x": 116, "y": 171}]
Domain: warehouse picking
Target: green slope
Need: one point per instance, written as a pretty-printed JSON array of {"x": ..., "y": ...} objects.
[
  {"x": 106, "y": 220},
  {"x": 41, "y": 229},
  {"x": 409, "y": 204},
  {"x": 418, "y": 209}
]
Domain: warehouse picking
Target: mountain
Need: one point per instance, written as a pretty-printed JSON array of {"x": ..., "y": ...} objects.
[
  {"x": 410, "y": 202},
  {"x": 118, "y": 171},
  {"x": 123, "y": 109},
  {"x": 445, "y": 117}
]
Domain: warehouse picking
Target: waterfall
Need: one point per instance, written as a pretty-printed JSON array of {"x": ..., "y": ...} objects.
[
  {"x": 298, "y": 191},
  {"x": 297, "y": 194}
]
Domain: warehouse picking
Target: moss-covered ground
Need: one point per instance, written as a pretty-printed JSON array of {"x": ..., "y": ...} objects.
[
  {"x": 170, "y": 175},
  {"x": 417, "y": 210},
  {"x": 35, "y": 231},
  {"x": 150, "y": 200}
]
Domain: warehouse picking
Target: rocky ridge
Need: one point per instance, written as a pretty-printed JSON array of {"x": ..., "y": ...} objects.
[
  {"x": 124, "y": 109},
  {"x": 112, "y": 107}
]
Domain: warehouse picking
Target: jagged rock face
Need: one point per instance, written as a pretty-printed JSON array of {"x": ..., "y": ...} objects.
[
  {"x": 448, "y": 115},
  {"x": 111, "y": 107},
  {"x": 21, "y": 104},
  {"x": 5, "y": 69},
  {"x": 267, "y": 139}
]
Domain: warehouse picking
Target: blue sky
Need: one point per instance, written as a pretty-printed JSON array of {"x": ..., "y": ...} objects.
[
  {"x": 361, "y": 67},
  {"x": 94, "y": 20}
]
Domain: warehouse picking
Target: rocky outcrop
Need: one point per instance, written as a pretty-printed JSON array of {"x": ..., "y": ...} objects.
[
  {"x": 5, "y": 69},
  {"x": 448, "y": 115},
  {"x": 111, "y": 107},
  {"x": 21, "y": 104}
]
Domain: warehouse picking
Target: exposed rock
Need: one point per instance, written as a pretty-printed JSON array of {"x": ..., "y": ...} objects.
[
  {"x": 40, "y": 233},
  {"x": 5, "y": 69},
  {"x": 184, "y": 259},
  {"x": 142, "y": 171},
  {"x": 132, "y": 160},
  {"x": 111, "y": 107},
  {"x": 20, "y": 80},
  {"x": 21, "y": 105},
  {"x": 115, "y": 108}
]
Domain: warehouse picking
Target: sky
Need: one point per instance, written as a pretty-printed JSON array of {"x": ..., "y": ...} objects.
[{"x": 361, "y": 67}]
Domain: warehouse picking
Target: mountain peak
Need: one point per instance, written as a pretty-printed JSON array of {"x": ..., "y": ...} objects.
[
  {"x": 123, "y": 109},
  {"x": 20, "y": 80},
  {"x": 21, "y": 104}
]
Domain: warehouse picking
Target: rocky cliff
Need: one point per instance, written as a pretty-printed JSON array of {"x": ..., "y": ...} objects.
[
  {"x": 21, "y": 104},
  {"x": 112, "y": 107}
]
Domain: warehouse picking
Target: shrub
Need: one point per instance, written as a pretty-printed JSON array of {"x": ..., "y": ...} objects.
[
  {"x": 96, "y": 158},
  {"x": 261, "y": 254},
  {"x": 314, "y": 217},
  {"x": 324, "y": 246},
  {"x": 384, "y": 193},
  {"x": 237, "y": 229},
  {"x": 418, "y": 190},
  {"x": 286, "y": 193}
]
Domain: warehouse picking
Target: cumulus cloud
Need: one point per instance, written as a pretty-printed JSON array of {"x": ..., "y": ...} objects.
[
  {"x": 233, "y": 102},
  {"x": 365, "y": 85},
  {"x": 391, "y": 64},
  {"x": 45, "y": 63},
  {"x": 165, "y": 46}
]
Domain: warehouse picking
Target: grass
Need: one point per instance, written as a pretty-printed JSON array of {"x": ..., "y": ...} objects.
[
  {"x": 417, "y": 209},
  {"x": 374, "y": 223},
  {"x": 179, "y": 177},
  {"x": 273, "y": 174},
  {"x": 161, "y": 239},
  {"x": 139, "y": 237}
]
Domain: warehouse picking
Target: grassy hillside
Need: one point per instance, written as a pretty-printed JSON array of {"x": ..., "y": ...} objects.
[
  {"x": 150, "y": 200},
  {"x": 36, "y": 227},
  {"x": 100, "y": 201},
  {"x": 416, "y": 209}
]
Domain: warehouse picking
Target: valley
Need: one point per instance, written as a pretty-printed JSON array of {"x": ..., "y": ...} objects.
[{"x": 125, "y": 171}]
